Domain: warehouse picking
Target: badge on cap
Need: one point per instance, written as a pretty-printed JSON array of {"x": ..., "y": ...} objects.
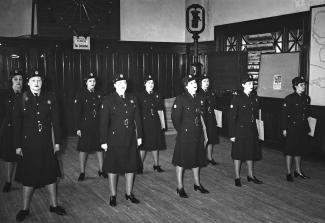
[{"x": 36, "y": 72}]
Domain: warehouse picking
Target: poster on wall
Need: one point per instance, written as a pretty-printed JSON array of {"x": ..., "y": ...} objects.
[
  {"x": 317, "y": 56},
  {"x": 276, "y": 72}
]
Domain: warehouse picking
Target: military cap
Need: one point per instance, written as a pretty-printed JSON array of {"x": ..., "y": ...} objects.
[
  {"x": 188, "y": 79},
  {"x": 204, "y": 76},
  {"x": 118, "y": 77},
  {"x": 246, "y": 79},
  {"x": 90, "y": 76},
  {"x": 298, "y": 80},
  {"x": 147, "y": 78},
  {"x": 35, "y": 73},
  {"x": 15, "y": 72}
]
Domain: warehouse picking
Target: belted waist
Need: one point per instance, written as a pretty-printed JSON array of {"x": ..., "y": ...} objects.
[{"x": 39, "y": 126}]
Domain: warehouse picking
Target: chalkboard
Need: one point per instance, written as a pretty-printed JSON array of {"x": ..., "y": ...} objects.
[{"x": 276, "y": 72}]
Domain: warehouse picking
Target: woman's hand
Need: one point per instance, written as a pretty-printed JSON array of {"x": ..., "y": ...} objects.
[
  {"x": 284, "y": 133},
  {"x": 79, "y": 133},
  {"x": 19, "y": 151},
  {"x": 139, "y": 141},
  {"x": 56, "y": 148},
  {"x": 233, "y": 139},
  {"x": 104, "y": 146}
]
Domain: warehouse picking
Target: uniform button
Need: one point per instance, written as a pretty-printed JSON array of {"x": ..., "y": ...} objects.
[
  {"x": 25, "y": 137},
  {"x": 38, "y": 121},
  {"x": 38, "y": 113},
  {"x": 37, "y": 104},
  {"x": 126, "y": 112},
  {"x": 94, "y": 104},
  {"x": 124, "y": 104},
  {"x": 113, "y": 132},
  {"x": 185, "y": 130}
]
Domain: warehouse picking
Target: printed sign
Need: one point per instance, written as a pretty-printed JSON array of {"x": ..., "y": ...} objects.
[
  {"x": 81, "y": 43},
  {"x": 277, "y": 81}
]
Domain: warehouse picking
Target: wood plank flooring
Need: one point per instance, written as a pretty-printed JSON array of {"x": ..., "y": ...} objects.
[{"x": 274, "y": 201}]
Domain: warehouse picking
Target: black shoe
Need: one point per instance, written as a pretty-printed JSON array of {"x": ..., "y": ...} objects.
[
  {"x": 213, "y": 162},
  {"x": 81, "y": 177},
  {"x": 105, "y": 175},
  {"x": 6, "y": 187},
  {"x": 181, "y": 192},
  {"x": 301, "y": 175},
  {"x": 132, "y": 198},
  {"x": 158, "y": 168},
  {"x": 58, "y": 210},
  {"x": 254, "y": 179},
  {"x": 112, "y": 201},
  {"x": 21, "y": 215},
  {"x": 237, "y": 182},
  {"x": 201, "y": 189},
  {"x": 289, "y": 178}
]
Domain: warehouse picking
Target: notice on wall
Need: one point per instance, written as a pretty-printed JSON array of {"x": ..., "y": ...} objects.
[
  {"x": 277, "y": 80},
  {"x": 81, "y": 43}
]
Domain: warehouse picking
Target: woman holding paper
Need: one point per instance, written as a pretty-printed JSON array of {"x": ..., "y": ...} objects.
[
  {"x": 295, "y": 128},
  {"x": 243, "y": 131},
  {"x": 120, "y": 136},
  {"x": 153, "y": 122},
  {"x": 212, "y": 128},
  {"x": 187, "y": 115}
]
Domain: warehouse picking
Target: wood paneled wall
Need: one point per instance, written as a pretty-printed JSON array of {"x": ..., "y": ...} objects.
[{"x": 65, "y": 68}]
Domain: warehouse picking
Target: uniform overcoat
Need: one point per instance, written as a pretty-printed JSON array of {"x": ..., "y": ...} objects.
[
  {"x": 120, "y": 126},
  {"x": 242, "y": 125},
  {"x": 211, "y": 122},
  {"x": 295, "y": 111},
  {"x": 186, "y": 115},
  {"x": 7, "y": 150},
  {"x": 36, "y": 124},
  {"x": 87, "y": 109},
  {"x": 153, "y": 135}
]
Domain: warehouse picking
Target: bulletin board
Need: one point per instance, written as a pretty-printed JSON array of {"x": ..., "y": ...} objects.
[{"x": 276, "y": 73}]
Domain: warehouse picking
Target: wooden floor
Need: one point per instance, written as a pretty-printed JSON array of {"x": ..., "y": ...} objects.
[{"x": 275, "y": 201}]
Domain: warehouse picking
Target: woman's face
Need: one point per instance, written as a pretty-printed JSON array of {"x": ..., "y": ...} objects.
[
  {"x": 120, "y": 86},
  {"x": 205, "y": 83},
  {"x": 149, "y": 85},
  {"x": 35, "y": 84},
  {"x": 191, "y": 87},
  {"x": 91, "y": 83},
  {"x": 248, "y": 86},
  {"x": 300, "y": 88},
  {"x": 17, "y": 82}
]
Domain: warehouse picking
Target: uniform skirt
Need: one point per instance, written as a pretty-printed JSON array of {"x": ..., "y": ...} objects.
[
  {"x": 246, "y": 145},
  {"x": 89, "y": 140},
  {"x": 296, "y": 143},
  {"x": 153, "y": 136},
  {"x": 7, "y": 149},
  {"x": 189, "y": 154},
  {"x": 122, "y": 159},
  {"x": 39, "y": 165}
]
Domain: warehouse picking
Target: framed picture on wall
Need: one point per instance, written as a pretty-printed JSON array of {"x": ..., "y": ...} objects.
[{"x": 317, "y": 56}]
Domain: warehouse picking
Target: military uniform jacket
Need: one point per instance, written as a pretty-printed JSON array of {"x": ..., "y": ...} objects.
[
  {"x": 242, "y": 125},
  {"x": 186, "y": 117},
  {"x": 211, "y": 122},
  {"x": 120, "y": 126},
  {"x": 295, "y": 111},
  {"x": 87, "y": 109},
  {"x": 7, "y": 149},
  {"x": 153, "y": 136},
  {"x": 36, "y": 123}
]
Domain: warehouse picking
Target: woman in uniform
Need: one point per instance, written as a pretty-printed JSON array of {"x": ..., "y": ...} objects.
[
  {"x": 210, "y": 105},
  {"x": 120, "y": 136},
  {"x": 189, "y": 153},
  {"x": 243, "y": 131},
  {"x": 295, "y": 128},
  {"x": 152, "y": 107},
  {"x": 36, "y": 139},
  {"x": 7, "y": 150},
  {"x": 87, "y": 106}
]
